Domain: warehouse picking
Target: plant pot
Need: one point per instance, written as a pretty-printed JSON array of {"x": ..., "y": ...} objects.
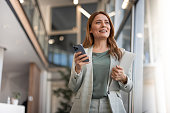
[{"x": 15, "y": 101}]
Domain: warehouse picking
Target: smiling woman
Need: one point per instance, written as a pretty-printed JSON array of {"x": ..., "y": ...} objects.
[{"x": 97, "y": 83}]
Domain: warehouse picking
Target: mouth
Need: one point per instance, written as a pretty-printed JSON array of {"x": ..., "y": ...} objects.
[{"x": 103, "y": 31}]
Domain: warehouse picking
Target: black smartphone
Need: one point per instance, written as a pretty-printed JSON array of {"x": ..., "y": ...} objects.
[{"x": 79, "y": 48}]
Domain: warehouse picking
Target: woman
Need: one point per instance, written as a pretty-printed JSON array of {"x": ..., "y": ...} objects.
[{"x": 92, "y": 81}]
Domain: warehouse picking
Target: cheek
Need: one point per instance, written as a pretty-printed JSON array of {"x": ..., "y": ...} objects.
[
  {"x": 109, "y": 30},
  {"x": 94, "y": 31}
]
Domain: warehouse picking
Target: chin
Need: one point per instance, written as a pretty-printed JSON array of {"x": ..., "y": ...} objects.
[{"x": 103, "y": 37}]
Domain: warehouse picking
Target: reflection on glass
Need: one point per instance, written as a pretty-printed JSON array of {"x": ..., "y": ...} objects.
[
  {"x": 70, "y": 60},
  {"x": 60, "y": 57},
  {"x": 124, "y": 38},
  {"x": 63, "y": 18},
  {"x": 41, "y": 36}
]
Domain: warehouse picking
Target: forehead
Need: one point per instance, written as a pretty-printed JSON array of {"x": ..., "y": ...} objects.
[{"x": 100, "y": 17}]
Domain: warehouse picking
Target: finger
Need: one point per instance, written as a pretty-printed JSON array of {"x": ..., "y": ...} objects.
[
  {"x": 115, "y": 78},
  {"x": 115, "y": 70},
  {"x": 83, "y": 63},
  {"x": 114, "y": 75},
  {"x": 83, "y": 59},
  {"x": 77, "y": 54},
  {"x": 80, "y": 57},
  {"x": 118, "y": 67}
]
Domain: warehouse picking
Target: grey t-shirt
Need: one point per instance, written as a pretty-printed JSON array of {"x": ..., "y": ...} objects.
[{"x": 101, "y": 67}]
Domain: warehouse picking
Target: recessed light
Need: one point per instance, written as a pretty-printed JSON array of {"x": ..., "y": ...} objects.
[
  {"x": 51, "y": 41},
  {"x": 61, "y": 38},
  {"x": 21, "y": 1},
  {"x": 75, "y": 2}
]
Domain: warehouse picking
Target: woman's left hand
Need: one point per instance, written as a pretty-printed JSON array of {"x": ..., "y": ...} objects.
[{"x": 118, "y": 74}]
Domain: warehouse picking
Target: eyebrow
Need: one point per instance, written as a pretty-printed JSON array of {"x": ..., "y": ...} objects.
[{"x": 101, "y": 20}]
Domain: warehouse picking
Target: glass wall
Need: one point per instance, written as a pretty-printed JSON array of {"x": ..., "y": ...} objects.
[
  {"x": 60, "y": 57},
  {"x": 62, "y": 49},
  {"x": 63, "y": 18},
  {"x": 124, "y": 38},
  {"x": 156, "y": 57},
  {"x": 32, "y": 12}
]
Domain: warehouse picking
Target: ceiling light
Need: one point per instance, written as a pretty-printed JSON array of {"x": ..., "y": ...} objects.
[
  {"x": 75, "y": 2},
  {"x": 84, "y": 12},
  {"x": 51, "y": 41},
  {"x": 21, "y": 1},
  {"x": 61, "y": 38},
  {"x": 125, "y": 4},
  {"x": 112, "y": 13}
]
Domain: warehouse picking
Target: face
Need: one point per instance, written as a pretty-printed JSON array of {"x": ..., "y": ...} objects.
[{"x": 100, "y": 27}]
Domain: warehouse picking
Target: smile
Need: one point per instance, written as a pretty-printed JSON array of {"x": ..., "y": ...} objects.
[{"x": 103, "y": 31}]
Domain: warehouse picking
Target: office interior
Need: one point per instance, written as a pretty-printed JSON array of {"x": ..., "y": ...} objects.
[{"x": 36, "y": 51}]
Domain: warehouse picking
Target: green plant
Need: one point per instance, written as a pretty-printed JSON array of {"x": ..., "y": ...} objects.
[
  {"x": 16, "y": 95},
  {"x": 65, "y": 93}
]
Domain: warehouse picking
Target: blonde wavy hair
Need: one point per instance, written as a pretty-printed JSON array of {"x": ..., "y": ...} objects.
[{"x": 111, "y": 42}]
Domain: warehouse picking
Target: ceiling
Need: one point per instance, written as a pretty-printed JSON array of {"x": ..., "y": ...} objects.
[
  {"x": 19, "y": 51},
  {"x": 60, "y": 3}
]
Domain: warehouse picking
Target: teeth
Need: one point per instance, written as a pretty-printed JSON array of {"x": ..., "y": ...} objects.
[{"x": 102, "y": 31}]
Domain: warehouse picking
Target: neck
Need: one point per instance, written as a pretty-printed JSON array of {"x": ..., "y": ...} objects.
[{"x": 100, "y": 46}]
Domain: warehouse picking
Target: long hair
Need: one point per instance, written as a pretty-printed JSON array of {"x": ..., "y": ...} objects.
[{"x": 111, "y": 42}]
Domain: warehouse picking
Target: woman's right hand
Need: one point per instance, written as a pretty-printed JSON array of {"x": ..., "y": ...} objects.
[{"x": 79, "y": 61}]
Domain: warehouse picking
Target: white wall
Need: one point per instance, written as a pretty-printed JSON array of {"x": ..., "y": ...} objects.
[{"x": 12, "y": 82}]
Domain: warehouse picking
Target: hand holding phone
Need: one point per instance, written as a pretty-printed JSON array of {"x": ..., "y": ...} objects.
[
  {"x": 80, "y": 58},
  {"x": 79, "y": 48}
]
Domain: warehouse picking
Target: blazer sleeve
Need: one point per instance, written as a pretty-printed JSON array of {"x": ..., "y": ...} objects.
[
  {"x": 128, "y": 86},
  {"x": 75, "y": 79}
]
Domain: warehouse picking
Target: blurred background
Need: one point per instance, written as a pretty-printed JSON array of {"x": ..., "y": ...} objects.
[{"x": 36, "y": 40}]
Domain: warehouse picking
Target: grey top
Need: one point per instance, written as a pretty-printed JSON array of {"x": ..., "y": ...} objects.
[{"x": 101, "y": 67}]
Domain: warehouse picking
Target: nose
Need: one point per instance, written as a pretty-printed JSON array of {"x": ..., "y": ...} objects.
[{"x": 103, "y": 24}]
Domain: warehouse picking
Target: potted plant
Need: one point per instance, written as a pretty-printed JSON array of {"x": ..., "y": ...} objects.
[{"x": 15, "y": 98}]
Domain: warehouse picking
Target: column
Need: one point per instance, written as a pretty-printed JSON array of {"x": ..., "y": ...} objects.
[{"x": 1, "y": 63}]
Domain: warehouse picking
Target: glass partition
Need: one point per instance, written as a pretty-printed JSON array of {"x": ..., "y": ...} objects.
[
  {"x": 61, "y": 50},
  {"x": 124, "y": 38},
  {"x": 33, "y": 14},
  {"x": 60, "y": 57},
  {"x": 63, "y": 18}
]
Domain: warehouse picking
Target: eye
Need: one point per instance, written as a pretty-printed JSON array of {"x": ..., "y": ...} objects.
[
  {"x": 107, "y": 22},
  {"x": 98, "y": 22}
]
